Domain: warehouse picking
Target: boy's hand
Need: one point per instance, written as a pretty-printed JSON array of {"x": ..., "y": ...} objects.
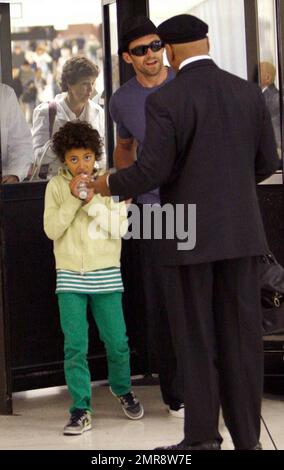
[
  {"x": 74, "y": 183},
  {"x": 89, "y": 196},
  {"x": 74, "y": 188}
]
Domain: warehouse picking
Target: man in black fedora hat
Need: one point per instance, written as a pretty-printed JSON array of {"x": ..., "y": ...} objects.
[
  {"x": 208, "y": 140},
  {"x": 140, "y": 46}
]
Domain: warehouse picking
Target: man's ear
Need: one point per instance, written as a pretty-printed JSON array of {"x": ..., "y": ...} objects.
[
  {"x": 126, "y": 57},
  {"x": 170, "y": 53}
]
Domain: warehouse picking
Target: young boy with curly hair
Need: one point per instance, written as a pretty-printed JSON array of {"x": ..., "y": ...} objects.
[{"x": 87, "y": 242}]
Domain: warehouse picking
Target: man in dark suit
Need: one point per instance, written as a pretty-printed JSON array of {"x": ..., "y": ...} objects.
[
  {"x": 208, "y": 140},
  {"x": 272, "y": 97}
]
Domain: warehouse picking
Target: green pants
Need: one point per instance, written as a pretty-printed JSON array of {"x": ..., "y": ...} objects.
[{"x": 108, "y": 315}]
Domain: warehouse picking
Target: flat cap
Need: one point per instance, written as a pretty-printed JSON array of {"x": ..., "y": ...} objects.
[
  {"x": 133, "y": 28},
  {"x": 182, "y": 28}
]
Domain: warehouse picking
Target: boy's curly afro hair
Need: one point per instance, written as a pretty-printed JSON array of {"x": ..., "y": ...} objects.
[{"x": 76, "y": 134}]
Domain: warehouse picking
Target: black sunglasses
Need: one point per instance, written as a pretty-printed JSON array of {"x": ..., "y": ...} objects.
[{"x": 155, "y": 46}]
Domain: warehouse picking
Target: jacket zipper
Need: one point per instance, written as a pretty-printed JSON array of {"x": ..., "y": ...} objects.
[{"x": 82, "y": 269}]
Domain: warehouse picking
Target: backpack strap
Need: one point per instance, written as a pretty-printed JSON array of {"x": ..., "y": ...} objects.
[
  {"x": 39, "y": 169},
  {"x": 52, "y": 110}
]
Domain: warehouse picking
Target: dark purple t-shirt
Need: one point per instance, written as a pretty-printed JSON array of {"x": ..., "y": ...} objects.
[{"x": 127, "y": 109}]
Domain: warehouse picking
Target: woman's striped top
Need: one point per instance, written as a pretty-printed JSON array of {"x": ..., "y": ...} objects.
[{"x": 92, "y": 282}]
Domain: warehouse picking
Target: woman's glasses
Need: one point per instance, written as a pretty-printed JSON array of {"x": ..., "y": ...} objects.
[{"x": 139, "y": 51}]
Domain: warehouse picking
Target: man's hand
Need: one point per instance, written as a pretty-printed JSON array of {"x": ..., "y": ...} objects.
[
  {"x": 99, "y": 185},
  {"x": 8, "y": 179}
]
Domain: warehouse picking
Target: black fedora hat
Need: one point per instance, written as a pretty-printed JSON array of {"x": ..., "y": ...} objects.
[{"x": 132, "y": 28}]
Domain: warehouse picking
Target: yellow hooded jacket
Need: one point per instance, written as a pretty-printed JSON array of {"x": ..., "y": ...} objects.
[{"x": 86, "y": 237}]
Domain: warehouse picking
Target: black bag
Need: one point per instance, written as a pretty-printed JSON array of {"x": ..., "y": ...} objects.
[{"x": 272, "y": 294}]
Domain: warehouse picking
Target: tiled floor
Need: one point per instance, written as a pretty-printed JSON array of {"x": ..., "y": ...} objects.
[{"x": 39, "y": 417}]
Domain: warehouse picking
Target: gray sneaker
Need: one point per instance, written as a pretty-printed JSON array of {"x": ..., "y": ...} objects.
[
  {"x": 79, "y": 422},
  {"x": 130, "y": 405}
]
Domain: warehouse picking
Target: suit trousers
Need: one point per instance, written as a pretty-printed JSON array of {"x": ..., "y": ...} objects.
[
  {"x": 218, "y": 336},
  {"x": 146, "y": 315}
]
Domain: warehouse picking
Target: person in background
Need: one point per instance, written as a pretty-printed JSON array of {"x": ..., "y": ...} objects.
[
  {"x": 42, "y": 60},
  {"x": 29, "y": 96},
  {"x": 18, "y": 56},
  {"x": 16, "y": 140},
  {"x": 272, "y": 98},
  {"x": 208, "y": 141},
  {"x": 140, "y": 46},
  {"x": 40, "y": 84},
  {"x": 16, "y": 82},
  {"x": 27, "y": 74},
  {"x": 74, "y": 103},
  {"x": 86, "y": 230}
]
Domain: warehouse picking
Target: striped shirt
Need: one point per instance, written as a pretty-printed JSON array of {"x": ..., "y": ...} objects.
[{"x": 92, "y": 282}]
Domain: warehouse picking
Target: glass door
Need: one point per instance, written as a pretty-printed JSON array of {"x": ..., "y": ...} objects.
[
  {"x": 226, "y": 20},
  {"x": 268, "y": 70},
  {"x": 111, "y": 67}
]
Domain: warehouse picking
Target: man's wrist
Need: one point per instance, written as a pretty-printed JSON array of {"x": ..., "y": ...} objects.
[{"x": 110, "y": 172}]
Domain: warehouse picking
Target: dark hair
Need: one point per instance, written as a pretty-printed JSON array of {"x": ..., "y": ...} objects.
[
  {"x": 76, "y": 68},
  {"x": 76, "y": 134}
]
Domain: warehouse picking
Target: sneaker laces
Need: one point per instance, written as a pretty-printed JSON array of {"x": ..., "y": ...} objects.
[
  {"x": 129, "y": 399},
  {"x": 76, "y": 415}
]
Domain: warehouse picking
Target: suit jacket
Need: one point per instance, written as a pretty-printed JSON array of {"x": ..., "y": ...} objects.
[
  {"x": 208, "y": 139},
  {"x": 272, "y": 100}
]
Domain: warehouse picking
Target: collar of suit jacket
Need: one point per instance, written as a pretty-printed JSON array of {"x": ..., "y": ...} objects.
[
  {"x": 195, "y": 64},
  {"x": 193, "y": 59}
]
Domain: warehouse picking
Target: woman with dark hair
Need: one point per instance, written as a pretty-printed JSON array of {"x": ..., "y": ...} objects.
[{"x": 74, "y": 103}]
